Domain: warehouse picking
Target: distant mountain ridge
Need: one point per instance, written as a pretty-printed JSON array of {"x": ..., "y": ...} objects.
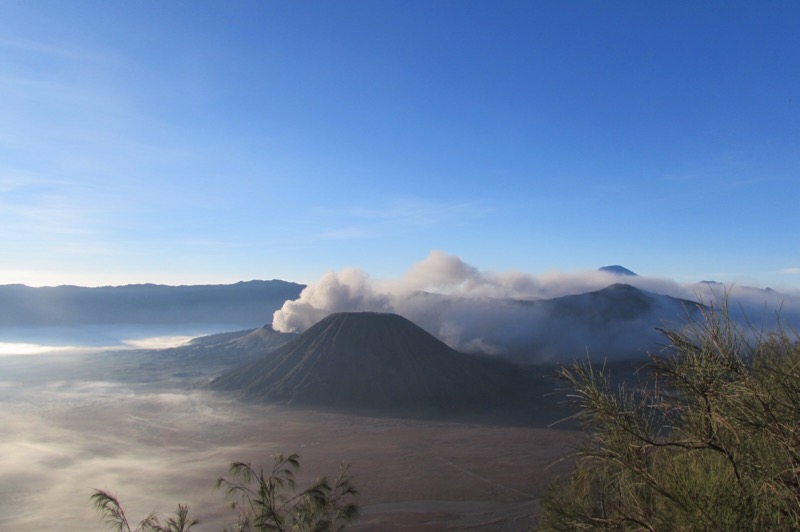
[
  {"x": 251, "y": 302},
  {"x": 617, "y": 270}
]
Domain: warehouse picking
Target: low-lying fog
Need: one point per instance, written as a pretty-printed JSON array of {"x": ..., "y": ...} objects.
[
  {"x": 42, "y": 339},
  {"x": 77, "y": 421}
]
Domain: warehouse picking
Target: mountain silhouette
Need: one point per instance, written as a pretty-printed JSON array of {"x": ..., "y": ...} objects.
[
  {"x": 615, "y": 302},
  {"x": 376, "y": 361},
  {"x": 245, "y": 303},
  {"x": 618, "y": 270},
  {"x": 616, "y": 322}
]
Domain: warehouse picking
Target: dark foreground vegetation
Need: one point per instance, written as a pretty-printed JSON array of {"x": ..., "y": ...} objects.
[
  {"x": 263, "y": 501},
  {"x": 709, "y": 441}
]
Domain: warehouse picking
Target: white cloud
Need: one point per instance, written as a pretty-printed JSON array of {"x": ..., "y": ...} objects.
[
  {"x": 471, "y": 309},
  {"x": 157, "y": 342},
  {"x": 13, "y": 348}
]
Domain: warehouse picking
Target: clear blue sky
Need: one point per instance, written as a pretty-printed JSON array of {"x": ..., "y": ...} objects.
[{"x": 197, "y": 141}]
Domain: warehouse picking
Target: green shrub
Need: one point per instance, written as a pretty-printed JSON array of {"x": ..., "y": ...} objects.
[
  {"x": 114, "y": 516},
  {"x": 709, "y": 440},
  {"x": 264, "y": 502},
  {"x": 267, "y": 502}
]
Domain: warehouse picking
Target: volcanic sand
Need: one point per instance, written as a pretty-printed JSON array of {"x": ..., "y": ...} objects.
[{"x": 157, "y": 447}]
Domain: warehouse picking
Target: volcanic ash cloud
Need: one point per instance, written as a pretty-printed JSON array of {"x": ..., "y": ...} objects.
[
  {"x": 489, "y": 312},
  {"x": 347, "y": 291},
  {"x": 467, "y": 308}
]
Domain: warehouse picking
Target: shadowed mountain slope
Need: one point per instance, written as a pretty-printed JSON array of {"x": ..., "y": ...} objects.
[
  {"x": 230, "y": 348},
  {"x": 374, "y": 361},
  {"x": 194, "y": 362},
  {"x": 616, "y": 322},
  {"x": 619, "y": 302}
]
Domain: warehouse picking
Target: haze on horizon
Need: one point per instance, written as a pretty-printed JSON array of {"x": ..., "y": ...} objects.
[
  {"x": 217, "y": 142},
  {"x": 515, "y": 314}
]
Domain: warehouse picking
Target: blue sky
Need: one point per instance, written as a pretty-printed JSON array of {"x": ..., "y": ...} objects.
[{"x": 204, "y": 142}]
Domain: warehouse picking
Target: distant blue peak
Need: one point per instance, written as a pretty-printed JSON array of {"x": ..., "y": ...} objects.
[{"x": 617, "y": 270}]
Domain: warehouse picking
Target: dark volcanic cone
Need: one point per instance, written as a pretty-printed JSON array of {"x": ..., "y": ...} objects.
[{"x": 374, "y": 361}]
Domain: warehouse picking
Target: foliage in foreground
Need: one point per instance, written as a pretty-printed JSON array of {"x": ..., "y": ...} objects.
[
  {"x": 265, "y": 505},
  {"x": 265, "y": 502},
  {"x": 109, "y": 507},
  {"x": 710, "y": 441}
]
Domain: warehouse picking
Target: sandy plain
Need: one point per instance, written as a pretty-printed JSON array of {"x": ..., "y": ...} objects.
[{"x": 71, "y": 425}]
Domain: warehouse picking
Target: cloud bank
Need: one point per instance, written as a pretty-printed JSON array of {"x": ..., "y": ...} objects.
[{"x": 491, "y": 312}]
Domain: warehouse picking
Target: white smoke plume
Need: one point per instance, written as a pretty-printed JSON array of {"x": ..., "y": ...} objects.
[
  {"x": 347, "y": 291},
  {"x": 489, "y": 312}
]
